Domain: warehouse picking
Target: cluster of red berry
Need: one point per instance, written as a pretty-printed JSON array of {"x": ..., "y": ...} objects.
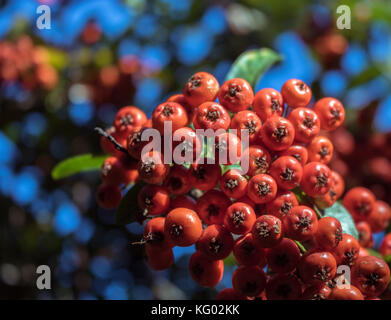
[
  {"x": 23, "y": 61},
  {"x": 259, "y": 215}
]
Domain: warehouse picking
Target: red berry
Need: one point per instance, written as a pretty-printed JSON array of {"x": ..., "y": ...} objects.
[
  {"x": 317, "y": 292},
  {"x": 371, "y": 275},
  {"x": 108, "y": 196},
  {"x": 320, "y": 149},
  {"x": 229, "y": 294},
  {"x": 177, "y": 181},
  {"x": 205, "y": 272},
  {"x": 267, "y": 103},
  {"x": 152, "y": 169},
  {"x": 159, "y": 259},
  {"x": 262, "y": 188},
  {"x": 211, "y": 115},
  {"x": 359, "y": 202},
  {"x": 282, "y": 204},
  {"x": 283, "y": 287},
  {"x": 300, "y": 223},
  {"x": 267, "y": 231},
  {"x": 180, "y": 98},
  {"x": 329, "y": 233},
  {"x": 186, "y": 145},
  {"x": 135, "y": 144},
  {"x": 306, "y": 124},
  {"x": 183, "y": 227},
  {"x": 113, "y": 171},
  {"x": 239, "y": 218},
  {"x": 169, "y": 112},
  {"x": 316, "y": 180},
  {"x": 153, "y": 199},
  {"x": 364, "y": 234},
  {"x": 107, "y": 147},
  {"x": 154, "y": 234},
  {"x": 298, "y": 152},
  {"x": 277, "y": 133},
  {"x": 236, "y": 95},
  {"x": 385, "y": 246},
  {"x": 347, "y": 250},
  {"x": 249, "y": 280},
  {"x": 200, "y": 88},
  {"x": 296, "y": 93},
  {"x": 247, "y": 120},
  {"x": 380, "y": 216},
  {"x": 284, "y": 257},
  {"x": 183, "y": 201},
  {"x": 257, "y": 158},
  {"x": 204, "y": 176},
  {"x": 227, "y": 148},
  {"x": 287, "y": 172},
  {"x": 351, "y": 293},
  {"x": 216, "y": 242},
  {"x": 247, "y": 253},
  {"x": 128, "y": 120},
  {"x": 233, "y": 184},
  {"x": 331, "y": 113},
  {"x": 317, "y": 267},
  {"x": 212, "y": 206}
]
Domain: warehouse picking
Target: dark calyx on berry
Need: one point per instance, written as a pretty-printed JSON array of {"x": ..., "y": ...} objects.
[
  {"x": 280, "y": 133},
  {"x": 287, "y": 175},
  {"x": 263, "y": 189},
  {"x": 215, "y": 245},
  {"x": 238, "y": 218},
  {"x": 213, "y": 115}
]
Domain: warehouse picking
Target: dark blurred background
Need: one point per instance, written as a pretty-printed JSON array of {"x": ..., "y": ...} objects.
[{"x": 99, "y": 55}]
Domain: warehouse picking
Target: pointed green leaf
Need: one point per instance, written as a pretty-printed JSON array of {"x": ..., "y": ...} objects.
[
  {"x": 127, "y": 209},
  {"x": 339, "y": 212},
  {"x": 252, "y": 64},
  {"x": 77, "y": 164}
]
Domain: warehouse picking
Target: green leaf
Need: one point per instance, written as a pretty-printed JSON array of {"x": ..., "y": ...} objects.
[
  {"x": 374, "y": 253},
  {"x": 127, "y": 209},
  {"x": 77, "y": 164},
  {"x": 252, "y": 64},
  {"x": 387, "y": 258},
  {"x": 339, "y": 212},
  {"x": 230, "y": 260},
  {"x": 224, "y": 168}
]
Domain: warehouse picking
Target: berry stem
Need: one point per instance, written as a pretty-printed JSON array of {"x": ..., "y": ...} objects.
[
  {"x": 301, "y": 247},
  {"x": 109, "y": 137}
]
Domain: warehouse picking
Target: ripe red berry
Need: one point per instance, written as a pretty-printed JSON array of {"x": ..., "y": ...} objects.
[
  {"x": 107, "y": 147},
  {"x": 183, "y": 201},
  {"x": 200, "y": 88},
  {"x": 154, "y": 236},
  {"x": 212, "y": 205},
  {"x": 177, "y": 181},
  {"x": 153, "y": 199},
  {"x": 385, "y": 246},
  {"x": 108, "y": 196},
  {"x": 169, "y": 112},
  {"x": 338, "y": 184},
  {"x": 128, "y": 120},
  {"x": 204, "y": 176},
  {"x": 183, "y": 227},
  {"x": 359, "y": 202},
  {"x": 205, "y": 272},
  {"x": 113, "y": 171},
  {"x": 229, "y": 294},
  {"x": 159, "y": 259},
  {"x": 236, "y": 95},
  {"x": 281, "y": 204},
  {"x": 371, "y": 275},
  {"x": 331, "y": 113},
  {"x": 351, "y": 293},
  {"x": 262, "y": 188},
  {"x": 216, "y": 242},
  {"x": 283, "y": 287},
  {"x": 298, "y": 152},
  {"x": 267, "y": 231},
  {"x": 364, "y": 234},
  {"x": 267, "y": 103},
  {"x": 152, "y": 169},
  {"x": 277, "y": 133},
  {"x": 300, "y": 223},
  {"x": 186, "y": 145},
  {"x": 233, "y": 184},
  {"x": 317, "y": 267},
  {"x": 320, "y": 149},
  {"x": 249, "y": 281},
  {"x": 287, "y": 172},
  {"x": 296, "y": 93},
  {"x": 284, "y": 257},
  {"x": 135, "y": 144},
  {"x": 316, "y": 180},
  {"x": 247, "y": 120},
  {"x": 180, "y": 98},
  {"x": 239, "y": 218},
  {"x": 211, "y": 115},
  {"x": 258, "y": 159},
  {"x": 317, "y": 292},
  {"x": 347, "y": 250},
  {"x": 380, "y": 216},
  {"x": 227, "y": 148},
  {"x": 329, "y": 233},
  {"x": 306, "y": 123},
  {"x": 247, "y": 253}
]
